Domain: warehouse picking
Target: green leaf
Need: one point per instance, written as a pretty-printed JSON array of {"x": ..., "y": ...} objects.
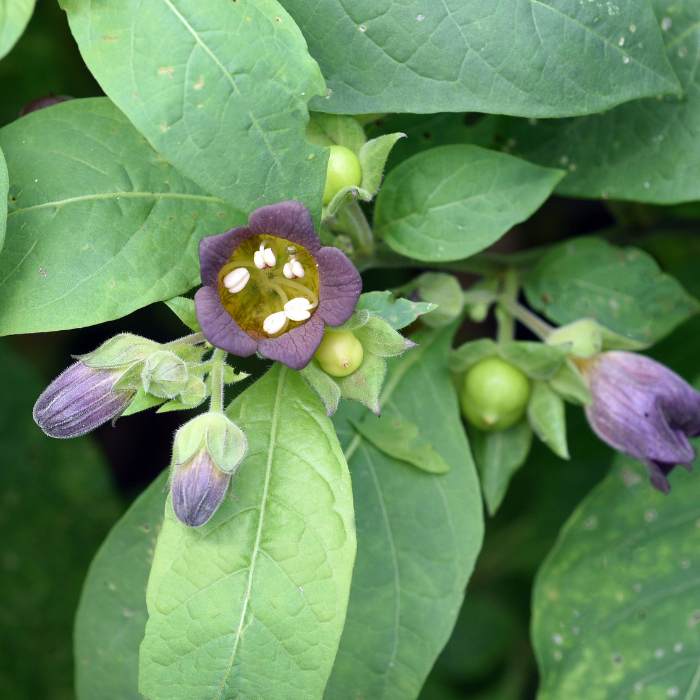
[
  {"x": 142, "y": 402},
  {"x": 215, "y": 87},
  {"x": 418, "y": 534},
  {"x": 75, "y": 170},
  {"x": 547, "y": 416},
  {"x": 373, "y": 157},
  {"x": 622, "y": 288},
  {"x": 646, "y": 151},
  {"x": 451, "y": 202},
  {"x": 184, "y": 309},
  {"x": 14, "y": 15},
  {"x": 57, "y": 506},
  {"x": 252, "y": 604},
  {"x": 615, "y": 604},
  {"x": 400, "y": 438},
  {"x": 532, "y": 58},
  {"x": 498, "y": 455},
  {"x": 399, "y": 313},
  {"x": 111, "y": 619},
  {"x": 4, "y": 193}
]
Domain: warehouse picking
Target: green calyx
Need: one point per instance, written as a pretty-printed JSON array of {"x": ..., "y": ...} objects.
[
  {"x": 124, "y": 350},
  {"x": 494, "y": 395},
  {"x": 164, "y": 374},
  {"x": 583, "y": 338},
  {"x": 364, "y": 340},
  {"x": 214, "y": 432}
]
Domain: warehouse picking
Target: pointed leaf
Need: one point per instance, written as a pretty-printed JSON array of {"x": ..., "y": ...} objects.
[
  {"x": 451, "y": 202},
  {"x": 373, "y": 156},
  {"x": 4, "y": 193},
  {"x": 253, "y": 603},
  {"x": 498, "y": 455},
  {"x": 418, "y": 534},
  {"x": 622, "y": 288},
  {"x": 75, "y": 169},
  {"x": 14, "y": 15},
  {"x": 111, "y": 618},
  {"x": 323, "y": 384},
  {"x": 547, "y": 416},
  {"x": 398, "y": 312},
  {"x": 214, "y": 86},
  {"x": 183, "y": 308},
  {"x": 400, "y": 438},
  {"x": 548, "y": 58}
]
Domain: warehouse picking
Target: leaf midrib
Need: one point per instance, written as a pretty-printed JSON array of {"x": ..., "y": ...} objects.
[{"x": 261, "y": 519}]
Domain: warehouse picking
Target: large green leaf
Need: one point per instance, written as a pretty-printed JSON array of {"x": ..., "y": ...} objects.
[
  {"x": 4, "y": 191},
  {"x": 622, "y": 288},
  {"x": 451, "y": 202},
  {"x": 219, "y": 88},
  {"x": 99, "y": 224},
  {"x": 418, "y": 534},
  {"x": 14, "y": 15},
  {"x": 615, "y": 605},
  {"x": 525, "y": 57},
  {"x": 253, "y": 603},
  {"x": 56, "y": 507},
  {"x": 646, "y": 151},
  {"x": 111, "y": 618}
]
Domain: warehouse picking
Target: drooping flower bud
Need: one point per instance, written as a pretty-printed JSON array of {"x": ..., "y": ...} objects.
[
  {"x": 644, "y": 410},
  {"x": 80, "y": 400},
  {"x": 206, "y": 455},
  {"x": 86, "y": 395}
]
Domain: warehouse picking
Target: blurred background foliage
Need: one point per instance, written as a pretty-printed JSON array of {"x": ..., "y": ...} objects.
[{"x": 59, "y": 499}]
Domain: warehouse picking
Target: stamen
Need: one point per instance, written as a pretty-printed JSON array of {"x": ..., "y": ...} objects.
[
  {"x": 293, "y": 268},
  {"x": 297, "y": 269},
  {"x": 301, "y": 288},
  {"x": 297, "y": 309},
  {"x": 236, "y": 280},
  {"x": 274, "y": 323},
  {"x": 265, "y": 257}
]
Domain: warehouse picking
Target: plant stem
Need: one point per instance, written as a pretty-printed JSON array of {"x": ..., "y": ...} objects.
[
  {"x": 539, "y": 327},
  {"x": 192, "y": 339},
  {"x": 504, "y": 318},
  {"x": 358, "y": 228},
  {"x": 217, "y": 381}
]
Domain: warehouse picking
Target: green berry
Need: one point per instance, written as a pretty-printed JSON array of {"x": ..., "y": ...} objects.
[
  {"x": 494, "y": 395},
  {"x": 343, "y": 171},
  {"x": 340, "y": 353}
]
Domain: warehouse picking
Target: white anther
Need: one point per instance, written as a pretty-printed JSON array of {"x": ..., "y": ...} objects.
[
  {"x": 259, "y": 260},
  {"x": 293, "y": 269},
  {"x": 297, "y": 269},
  {"x": 297, "y": 309},
  {"x": 236, "y": 279},
  {"x": 287, "y": 271},
  {"x": 274, "y": 323},
  {"x": 269, "y": 257}
]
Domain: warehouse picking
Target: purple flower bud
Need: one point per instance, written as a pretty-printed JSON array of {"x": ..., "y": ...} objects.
[
  {"x": 644, "y": 410},
  {"x": 79, "y": 400},
  {"x": 198, "y": 488}
]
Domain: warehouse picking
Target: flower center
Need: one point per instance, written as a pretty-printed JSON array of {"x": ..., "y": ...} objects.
[{"x": 269, "y": 286}]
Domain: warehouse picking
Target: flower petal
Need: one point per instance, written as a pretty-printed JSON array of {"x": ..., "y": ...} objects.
[
  {"x": 340, "y": 286},
  {"x": 215, "y": 252},
  {"x": 296, "y": 347},
  {"x": 290, "y": 220},
  {"x": 218, "y": 326}
]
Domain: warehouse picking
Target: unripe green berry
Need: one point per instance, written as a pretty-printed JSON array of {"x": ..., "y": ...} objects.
[
  {"x": 340, "y": 353},
  {"x": 494, "y": 395},
  {"x": 343, "y": 171}
]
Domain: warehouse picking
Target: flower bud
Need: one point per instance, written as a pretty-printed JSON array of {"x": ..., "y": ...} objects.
[
  {"x": 123, "y": 350},
  {"x": 445, "y": 291},
  {"x": 164, "y": 374},
  {"x": 583, "y": 338},
  {"x": 207, "y": 453},
  {"x": 644, "y": 410},
  {"x": 494, "y": 395},
  {"x": 80, "y": 400}
]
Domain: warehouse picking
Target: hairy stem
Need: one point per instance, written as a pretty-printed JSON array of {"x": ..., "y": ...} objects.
[
  {"x": 192, "y": 339},
  {"x": 217, "y": 381},
  {"x": 539, "y": 327}
]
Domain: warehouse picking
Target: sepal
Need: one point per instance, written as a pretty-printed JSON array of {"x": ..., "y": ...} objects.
[
  {"x": 582, "y": 338},
  {"x": 164, "y": 374},
  {"x": 194, "y": 393},
  {"x": 122, "y": 350}
]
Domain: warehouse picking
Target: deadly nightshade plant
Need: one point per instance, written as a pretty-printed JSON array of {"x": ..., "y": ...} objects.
[
  {"x": 644, "y": 410},
  {"x": 271, "y": 287}
]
